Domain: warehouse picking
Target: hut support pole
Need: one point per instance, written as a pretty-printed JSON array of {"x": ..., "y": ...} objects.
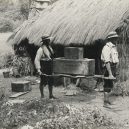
[
  {"x": 78, "y": 82},
  {"x": 66, "y": 81}
]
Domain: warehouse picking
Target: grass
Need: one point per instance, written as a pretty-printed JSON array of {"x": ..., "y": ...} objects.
[
  {"x": 5, "y": 49},
  {"x": 12, "y": 14}
]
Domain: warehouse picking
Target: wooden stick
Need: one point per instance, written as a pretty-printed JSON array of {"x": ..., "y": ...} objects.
[
  {"x": 67, "y": 75},
  {"x": 102, "y": 77},
  {"x": 18, "y": 94},
  {"x": 79, "y": 76}
]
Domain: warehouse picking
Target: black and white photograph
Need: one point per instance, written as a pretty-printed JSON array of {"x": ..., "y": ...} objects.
[{"x": 64, "y": 64}]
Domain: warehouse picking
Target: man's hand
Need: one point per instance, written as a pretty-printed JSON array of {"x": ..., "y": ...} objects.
[
  {"x": 111, "y": 77},
  {"x": 39, "y": 72},
  {"x": 117, "y": 65},
  {"x": 109, "y": 71}
]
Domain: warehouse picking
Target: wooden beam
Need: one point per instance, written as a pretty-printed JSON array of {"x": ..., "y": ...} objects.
[
  {"x": 79, "y": 76},
  {"x": 18, "y": 94}
]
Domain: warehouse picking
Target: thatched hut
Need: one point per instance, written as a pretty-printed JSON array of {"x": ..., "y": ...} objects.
[{"x": 79, "y": 23}]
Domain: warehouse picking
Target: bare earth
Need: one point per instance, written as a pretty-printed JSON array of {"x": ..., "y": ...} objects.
[{"x": 119, "y": 111}]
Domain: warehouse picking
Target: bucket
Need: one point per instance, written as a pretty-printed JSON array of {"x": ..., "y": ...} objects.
[{"x": 6, "y": 74}]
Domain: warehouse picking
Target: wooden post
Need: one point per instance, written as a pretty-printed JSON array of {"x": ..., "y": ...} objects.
[
  {"x": 64, "y": 82},
  {"x": 67, "y": 81},
  {"x": 78, "y": 82}
]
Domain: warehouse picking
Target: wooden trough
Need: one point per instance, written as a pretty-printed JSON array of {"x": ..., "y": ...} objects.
[
  {"x": 74, "y": 66},
  {"x": 21, "y": 86},
  {"x": 73, "y": 63}
]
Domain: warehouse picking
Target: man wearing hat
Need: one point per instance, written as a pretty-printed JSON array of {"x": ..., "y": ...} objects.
[
  {"x": 109, "y": 57},
  {"x": 43, "y": 63}
]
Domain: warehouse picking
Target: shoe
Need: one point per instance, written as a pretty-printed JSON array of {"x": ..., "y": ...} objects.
[
  {"x": 109, "y": 102},
  {"x": 106, "y": 101},
  {"x": 52, "y": 97},
  {"x": 106, "y": 105},
  {"x": 95, "y": 87}
]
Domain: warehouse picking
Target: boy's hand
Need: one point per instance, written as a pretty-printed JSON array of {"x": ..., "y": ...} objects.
[
  {"x": 39, "y": 72},
  {"x": 111, "y": 77}
]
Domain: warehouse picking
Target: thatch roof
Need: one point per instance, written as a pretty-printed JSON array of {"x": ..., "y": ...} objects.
[{"x": 75, "y": 21}]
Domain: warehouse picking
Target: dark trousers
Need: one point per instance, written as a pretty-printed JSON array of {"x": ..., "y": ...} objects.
[
  {"x": 46, "y": 68},
  {"x": 108, "y": 84},
  {"x": 44, "y": 80}
]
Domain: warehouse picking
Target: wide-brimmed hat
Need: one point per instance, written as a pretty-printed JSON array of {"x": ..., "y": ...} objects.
[
  {"x": 112, "y": 34},
  {"x": 45, "y": 38}
]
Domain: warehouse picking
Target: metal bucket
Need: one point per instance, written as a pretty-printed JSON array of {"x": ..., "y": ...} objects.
[{"x": 6, "y": 74}]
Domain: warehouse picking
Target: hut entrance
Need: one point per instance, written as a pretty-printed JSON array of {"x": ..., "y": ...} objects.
[{"x": 23, "y": 62}]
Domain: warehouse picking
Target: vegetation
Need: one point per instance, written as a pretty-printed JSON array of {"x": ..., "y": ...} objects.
[
  {"x": 12, "y": 14},
  {"x": 50, "y": 114}
]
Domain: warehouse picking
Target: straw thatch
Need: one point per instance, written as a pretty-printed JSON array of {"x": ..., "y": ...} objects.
[{"x": 75, "y": 21}]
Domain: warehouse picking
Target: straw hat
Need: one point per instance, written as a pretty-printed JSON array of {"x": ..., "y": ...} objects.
[
  {"x": 112, "y": 34},
  {"x": 45, "y": 38}
]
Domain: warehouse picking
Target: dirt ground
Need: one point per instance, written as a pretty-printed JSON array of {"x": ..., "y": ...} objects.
[{"x": 119, "y": 111}]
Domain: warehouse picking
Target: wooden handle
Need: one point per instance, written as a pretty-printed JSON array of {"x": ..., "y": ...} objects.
[{"x": 102, "y": 77}]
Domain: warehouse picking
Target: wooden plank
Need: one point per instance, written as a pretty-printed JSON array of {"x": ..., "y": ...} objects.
[
  {"x": 71, "y": 93},
  {"x": 18, "y": 101},
  {"x": 18, "y": 94}
]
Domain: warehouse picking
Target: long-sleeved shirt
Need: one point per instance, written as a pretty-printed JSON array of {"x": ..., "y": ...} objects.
[
  {"x": 109, "y": 53},
  {"x": 42, "y": 52}
]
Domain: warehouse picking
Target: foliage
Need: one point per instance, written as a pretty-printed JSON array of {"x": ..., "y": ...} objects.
[
  {"x": 121, "y": 88},
  {"x": 51, "y": 114},
  {"x": 24, "y": 8},
  {"x": 12, "y": 14},
  {"x": 6, "y": 59},
  {"x": 6, "y": 25},
  {"x": 21, "y": 66}
]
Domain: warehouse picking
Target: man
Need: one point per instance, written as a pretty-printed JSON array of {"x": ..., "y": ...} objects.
[
  {"x": 110, "y": 60},
  {"x": 43, "y": 63}
]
